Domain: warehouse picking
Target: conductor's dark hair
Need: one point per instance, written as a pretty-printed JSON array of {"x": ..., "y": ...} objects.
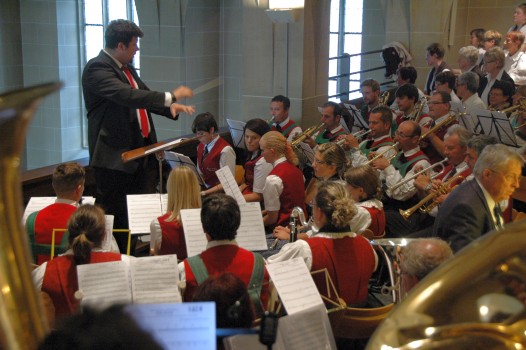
[
  {"x": 121, "y": 31},
  {"x": 283, "y": 99},
  {"x": 220, "y": 216},
  {"x": 204, "y": 122}
]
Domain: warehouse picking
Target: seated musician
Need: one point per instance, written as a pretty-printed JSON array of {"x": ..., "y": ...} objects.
[
  {"x": 446, "y": 81},
  {"x": 281, "y": 122},
  {"x": 500, "y": 96},
  {"x": 400, "y": 171},
  {"x": 58, "y": 277},
  {"x": 472, "y": 209},
  {"x": 221, "y": 217},
  {"x": 213, "y": 152},
  {"x": 362, "y": 183},
  {"x": 348, "y": 257},
  {"x": 167, "y": 234},
  {"x": 331, "y": 113},
  {"x": 284, "y": 187},
  {"x": 408, "y": 75},
  {"x": 409, "y": 106},
  {"x": 380, "y": 140},
  {"x": 256, "y": 168},
  {"x": 371, "y": 97},
  {"x": 518, "y": 98},
  {"x": 439, "y": 111},
  {"x": 68, "y": 184}
]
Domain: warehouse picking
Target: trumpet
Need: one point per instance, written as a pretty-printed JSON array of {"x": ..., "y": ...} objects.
[
  {"x": 389, "y": 154},
  {"x": 357, "y": 135},
  {"x": 428, "y": 203},
  {"x": 423, "y": 171},
  {"x": 307, "y": 133},
  {"x": 270, "y": 120},
  {"x": 384, "y": 98},
  {"x": 448, "y": 120}
]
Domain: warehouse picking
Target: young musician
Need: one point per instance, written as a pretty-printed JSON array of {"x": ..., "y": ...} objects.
[
  {"x": 213, "y": 152},
  {"x": 281, "y": 122},
  {"x": 167, "y": 234}
]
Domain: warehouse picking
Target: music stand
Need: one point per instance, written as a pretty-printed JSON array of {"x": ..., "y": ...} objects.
[
  {"x": 177, "y": 159},
  {"x": 236, "y": 128},
  {"x": 359, "y": 122},
  {"x": 497, "y": 124},
  {"x": 468, "y": 121}
]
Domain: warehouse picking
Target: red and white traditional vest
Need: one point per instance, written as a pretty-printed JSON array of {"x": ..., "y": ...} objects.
[
  {"x": 293, "y": 194},
  {"x": 173, "y": 241},
  {"x": 210, "y": 164}
]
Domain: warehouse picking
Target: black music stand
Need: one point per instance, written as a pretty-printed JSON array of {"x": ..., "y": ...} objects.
[
  {"x": 497, "y": 124},
  {"x": 236, "y": 128},
  {"x": 175, "y": 159},
  {"x": 359, "y": 122}
]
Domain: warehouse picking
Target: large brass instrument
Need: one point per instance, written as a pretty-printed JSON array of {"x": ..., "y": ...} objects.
[
  {"x": 423, "y": 171},
  {"x": 21, "y": 313},
  {"x": 384, "y": 98},
  {"x": 447, "y": 120},
  {"x": 307, "y": 133},
  {"x": 297, "y": 219},
  {"x": 428, "y": 203},
  {"x": 357, "y": 135},
  {"x": 390, "y": 154},
  {"x": 473, "y": 301},
  {"x": 417, "y": 110}
]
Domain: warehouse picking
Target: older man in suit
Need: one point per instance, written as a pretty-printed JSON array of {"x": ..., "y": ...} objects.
[
  {"x": 119, "y": 120},
  {"x": 473, "y": 208}
]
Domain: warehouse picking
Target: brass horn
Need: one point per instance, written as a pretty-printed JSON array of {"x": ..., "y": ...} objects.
[
  {"x": 22, "y": 320},
  {"x": 307, "y": 133}
]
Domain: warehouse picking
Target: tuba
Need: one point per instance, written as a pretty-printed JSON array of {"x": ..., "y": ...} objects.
[
  {"x": 297, "y": 219},
  {"x": 22, "y": 318},
  {"x": 473, "y": 301}
]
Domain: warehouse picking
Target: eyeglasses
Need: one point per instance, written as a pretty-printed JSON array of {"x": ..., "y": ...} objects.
[
  {"x": 435, "y": 103},
  {"x": 508, "y": 177},
  {"x": 402, "y": 135},
  {"x": 320, "y": 162},
  {"x": 200, "y": 133}
]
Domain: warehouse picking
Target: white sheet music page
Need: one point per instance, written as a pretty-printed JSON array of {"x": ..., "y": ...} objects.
[
  {"x": 230, "y": 185},
  {"x": 178, "y": 326},
  {"x": 155, "y": 279},
  {"x": 39, "y": 203},
  {"x": 294, "y": 284},
  {"x": 163, "y": 147},
  {"x": 104, "y": 284},
  {"x": 109, "y": 243},
  {"x": 251, "y": 232},
  {"x": 142, "y": 209},
  {"x": 194, "y": 235}
]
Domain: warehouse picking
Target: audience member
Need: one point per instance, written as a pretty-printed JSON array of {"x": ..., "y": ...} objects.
[
  {"x": 434, "y": 58},
  {"x": 469, "y": 58},
  {"x": 515, "y": 64}
]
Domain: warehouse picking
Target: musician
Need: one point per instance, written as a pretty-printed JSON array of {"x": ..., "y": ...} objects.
[
  {"x": 213, "y": 152},
  {"x": 220, "y": 217},
  {"x": 500, "y": 96},
  {"x": 58, "y": 277},
  {"x": 439, "y": 111},
  {"x": 380, "y": 139},
  {"x": 408, "y": 75},
  {"x": 445, "y": 81},
  {"x": 68, "y": 184},
  {"x": 256, "y": 168},
  {"x": 331, "y": 113},
  {"x": 494, "y": 66},
  {"x": 371, "y": 97},
  {"x": 515, "y": 62},
  {"x": 279, "y": 109},
  {"x": 473, "y": 209},
  {"x": 348, "y": 257},
  {"x": 407, "y": 97},
  {"x": 284, "y": 187},
  {"x": 519, "y": 98},
  {"x": 435, "y": 58}
]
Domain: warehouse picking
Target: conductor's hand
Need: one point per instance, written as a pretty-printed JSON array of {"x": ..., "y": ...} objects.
[
  {"x": 176, "y": 108},
  {"x": 183, "y": 92}
]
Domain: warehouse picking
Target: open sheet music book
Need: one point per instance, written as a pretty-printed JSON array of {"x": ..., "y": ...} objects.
[
  {"x": 142, "y": 209},
  {"x": 295, "y": 285},
  {"x": 178, "y": 326},
  {"x": 230, "y": 185},
  {"x": 165, "y": 146},
  {"x": 177, "y": 159},
  {"x": 39, "y": 203},
  {"x": 497, "y": 124},
  {"x": 250, "y": 235},
  {"x": 236, "y": 128},
  {"x": 152, "y": 279}
]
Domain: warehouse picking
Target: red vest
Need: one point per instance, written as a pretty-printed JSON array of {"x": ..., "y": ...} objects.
[
  {"x": 53, "y": 216},
  {"x": 293, "y": 194},
  {"x": 349, "y": 262},
  {"x": 428, "y": 148},
  {"x": 377, "y": 221},
  {"x": 224, "y": 258},
  {"x": 60, "y": 280},
  {"x": 286, "y": 129},
  {"x": 210, "y": 164},
  {"x": 249, "y": 174},
  {"x": 173, "y": 241},
  {"x": 465, "y": 173}
]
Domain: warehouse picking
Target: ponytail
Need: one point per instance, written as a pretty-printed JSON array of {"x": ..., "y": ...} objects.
[{"x": 81, "y": 247}]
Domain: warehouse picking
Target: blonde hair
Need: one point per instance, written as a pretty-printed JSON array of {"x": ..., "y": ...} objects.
[
  {"x": 86, "y": 228},
  {"x": 276, "y": 141},
  {"x": 333, "y": 154},
  {"x": 336, "y": 203},
  {"x": 365, "y": 177},
  {"x": 183, "y": 192}
]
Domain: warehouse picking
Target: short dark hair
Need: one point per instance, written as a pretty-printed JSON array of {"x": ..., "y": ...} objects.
[
  {"x": 408, "y": 73},
  {"x": 257, "y": 125},
  {"x": 504, "y": 86},
  {"x": 204, "y": 122},
  {"x": 436, "y": 49},
  {"x": 479, "y": 33},
  {"x": 445, "y": 97},
  {"x": 336, "y": 108},
  {"x": 67, "y": 177},
  {"x": 283, "y": 99},
  {"x": 220, "y": 216},
  {"x": 408, "y": 90},
  {"x": 446, "y": 77},
  {"x": 386, "y": 114},
  {"x": 121, "y": 31}
]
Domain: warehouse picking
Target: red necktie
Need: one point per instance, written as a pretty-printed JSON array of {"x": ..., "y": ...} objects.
[{"x": 142, "y": 112}]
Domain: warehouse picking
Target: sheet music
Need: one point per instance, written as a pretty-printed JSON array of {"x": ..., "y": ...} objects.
[
  {"x": 142, "y": 209},
  {"x": 109, "y": 242},
  {"x": 178, "y": 326},
  {"x": 39, "y": 203},
  {"x": 308, "y": 329},
  {"x": 177, "y": 159},
  {"x": 104, "y": 284},
  {"x": 194, "y": 235},
  {"x": 236, "y": 128},
  {"x": 230, "y": 185},
  {"x": 155, "y": 279},
  {"x": 497, "y": 124},
  {"x": 294, "y": 284},
  {"x": 163, "y": 147}
]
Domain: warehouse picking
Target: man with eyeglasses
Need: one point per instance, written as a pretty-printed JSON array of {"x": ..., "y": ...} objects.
[{"x": 473, "y": 208}]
